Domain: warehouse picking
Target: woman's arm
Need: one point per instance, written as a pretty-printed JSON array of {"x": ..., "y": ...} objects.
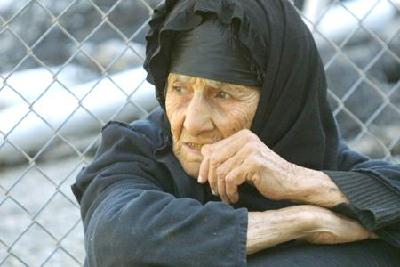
[
  {"x": 270, "y": 228},
  {"x": 372, "y": 190},
  {"x": 242, "y": 157},
  {"x": 366, "y": 190},
  {"x": 317, "y": 189},
  {"x": 314, "y": 224},
  {"x": 130, "y": 219},
  {"x": 134, "y": 225}
]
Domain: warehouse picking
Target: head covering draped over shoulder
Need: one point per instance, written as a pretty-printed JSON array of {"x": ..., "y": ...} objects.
[{"x": 293, "y": 117}]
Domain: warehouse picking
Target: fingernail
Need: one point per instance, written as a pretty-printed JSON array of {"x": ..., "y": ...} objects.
[
  {"x": 214, "y": 193},
  {"x": 200, "y": 179}
]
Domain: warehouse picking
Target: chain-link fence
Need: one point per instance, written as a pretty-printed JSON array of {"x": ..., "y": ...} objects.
[{"x": 69, "y": 66}]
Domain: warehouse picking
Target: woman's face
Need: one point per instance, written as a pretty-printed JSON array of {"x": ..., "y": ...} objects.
[{"x": 203, "y": 111}]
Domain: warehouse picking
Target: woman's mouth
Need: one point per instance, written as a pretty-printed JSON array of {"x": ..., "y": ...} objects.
[{"x": 195, "y": 146}]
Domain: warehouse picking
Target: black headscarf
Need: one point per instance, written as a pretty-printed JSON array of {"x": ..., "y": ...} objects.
[
  {"x": 293, "y": 116},
  {"x": 212, "y": 50}
]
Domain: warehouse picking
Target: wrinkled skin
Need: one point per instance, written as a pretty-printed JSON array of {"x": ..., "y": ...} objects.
[{"x": 203, "y": 111}]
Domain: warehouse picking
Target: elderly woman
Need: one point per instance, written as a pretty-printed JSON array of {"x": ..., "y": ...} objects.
[{"x": 242, "y": 162}]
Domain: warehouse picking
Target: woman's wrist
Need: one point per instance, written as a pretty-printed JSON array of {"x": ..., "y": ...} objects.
[
  {"x": 315, "y": 188},
  {"x": 270, "y": 228}
]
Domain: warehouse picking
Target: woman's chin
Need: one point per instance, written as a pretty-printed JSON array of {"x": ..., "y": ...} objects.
[
  {"x": 191, "y": 167},
  {"x": 189, "y": 159}
]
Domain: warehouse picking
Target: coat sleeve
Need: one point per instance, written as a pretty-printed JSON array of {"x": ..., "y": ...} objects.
[
  {"x": 130, "y": 219},
  {"x": 373, "y": 190}
]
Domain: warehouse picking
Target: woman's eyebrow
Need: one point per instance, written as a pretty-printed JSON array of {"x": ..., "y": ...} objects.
[
  {"x": 235, "y": 88},
  {"x": 211, "y": 83},
  {"x": 214, "y": 83},
  {"x": 189, "y": 80},
  {"x": 181, "y": 78}
]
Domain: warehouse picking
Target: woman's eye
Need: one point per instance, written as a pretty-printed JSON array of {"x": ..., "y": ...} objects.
[
  {"x": 222, "y": 95},
  {"x": 178, "y": 89}
]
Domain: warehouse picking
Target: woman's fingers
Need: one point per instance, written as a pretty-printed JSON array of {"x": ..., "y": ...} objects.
[
  {"x": 212, "y": 179},
  {"x": 203, "y": 170},
  {"x": 222, "y": 190},
  {"x": 219, "y": 152},
  {"x": 235, "y": 177},
  {"x": 217, "y": 171},
  {"x": 232, "y": 182},
  {"x": 215, "y": 155},
  {"x": 224, "y": 157},
  {"x": 231, "y": 165}
]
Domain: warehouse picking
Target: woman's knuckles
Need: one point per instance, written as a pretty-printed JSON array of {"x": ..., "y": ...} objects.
[
  {"x": 249, "y": 135},
  {"x": 251, "y": 147}
]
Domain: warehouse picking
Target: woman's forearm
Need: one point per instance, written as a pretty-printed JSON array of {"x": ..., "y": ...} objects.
[
  {"x": 310, "y": 223},
  {"x": 270, "y": 228}
]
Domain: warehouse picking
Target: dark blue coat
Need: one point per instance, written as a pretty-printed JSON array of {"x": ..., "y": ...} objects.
[{"x": 140, "y": 208}]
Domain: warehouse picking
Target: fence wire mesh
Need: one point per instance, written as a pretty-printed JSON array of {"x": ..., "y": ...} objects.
[{"x": 69, "y": 66}]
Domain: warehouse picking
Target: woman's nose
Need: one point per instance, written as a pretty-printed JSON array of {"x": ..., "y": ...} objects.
[{"x": 198, "y": 115}]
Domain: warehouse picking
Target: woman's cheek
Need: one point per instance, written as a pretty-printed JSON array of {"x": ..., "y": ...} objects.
[
  {"x": 243, "y": 112},
  {"x": 233, "y": 117},
  {"x": 174, "y": 109}
]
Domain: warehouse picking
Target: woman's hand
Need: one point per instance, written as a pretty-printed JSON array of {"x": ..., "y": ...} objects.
[
  {"x": 310, "y": 223},
  {"x": 243, "y": 157},
  {"x": 333, "y": 228}
]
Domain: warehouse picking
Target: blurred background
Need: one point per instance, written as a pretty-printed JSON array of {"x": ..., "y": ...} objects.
[{"x": 67, "y": 67}]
